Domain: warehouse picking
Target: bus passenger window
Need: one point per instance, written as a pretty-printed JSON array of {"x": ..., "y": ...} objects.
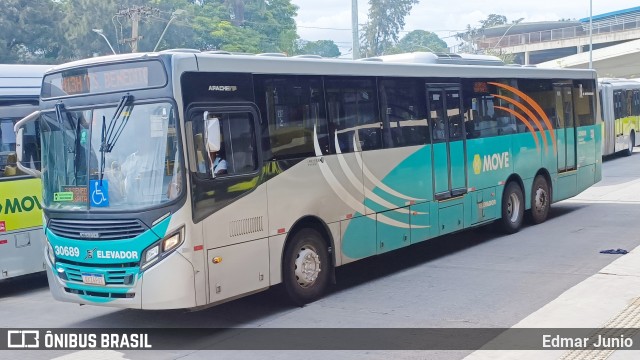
[
  {"x": 294, "y": 109},
  {"x": 353, "y": 113},
  {"x": 404, "y": 113}
]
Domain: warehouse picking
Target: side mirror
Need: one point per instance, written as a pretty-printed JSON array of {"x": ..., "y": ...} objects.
[
  {"x": 212, "y": 126},
  {"x": 19, "y": 130}
]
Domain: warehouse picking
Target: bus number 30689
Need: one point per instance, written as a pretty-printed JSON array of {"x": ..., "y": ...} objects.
[{"x": 67, "y": 250}]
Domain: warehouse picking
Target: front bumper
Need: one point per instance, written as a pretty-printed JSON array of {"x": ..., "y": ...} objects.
[{"x": 169, "y": 284}]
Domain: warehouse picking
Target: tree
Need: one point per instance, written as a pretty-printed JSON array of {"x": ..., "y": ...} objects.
[
  {"x": 56, "y": 31},
  {"x": 266, "y": 26},
  {"x": 385, "y": 20},
  {"x": 493, "y": 20},
  {"x": 324, "y": 48},
  {"x": 469, "y": 37},
  {"x": 505, "y": 57},
  {"x": 29, "y": 31},
  {"x": 419, "y": 40},
  {"x": 275, "y": 21}
]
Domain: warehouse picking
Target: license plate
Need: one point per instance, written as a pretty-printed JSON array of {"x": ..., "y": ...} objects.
[{"x": 93, "y": 279}]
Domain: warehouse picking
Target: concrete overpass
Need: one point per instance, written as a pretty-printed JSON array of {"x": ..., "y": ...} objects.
[
  {"x": 622, "y": 60},
  {"x": 542, "y": 42}
]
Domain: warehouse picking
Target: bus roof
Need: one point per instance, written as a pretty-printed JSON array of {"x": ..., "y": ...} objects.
[
  {"x": 620, "y": 81},
  {"x": 401, "y": 66},
  {"x": 21, "y": 80}
]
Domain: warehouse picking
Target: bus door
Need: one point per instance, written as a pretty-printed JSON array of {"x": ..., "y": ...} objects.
[
  {"x": 566, "y": 128},
  {"x": 448, "y": 138}
]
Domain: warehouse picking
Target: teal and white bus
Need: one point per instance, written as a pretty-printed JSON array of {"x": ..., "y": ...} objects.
[
  {"x": 182, "y": 180},
  {"x": 620, "y": 111}
]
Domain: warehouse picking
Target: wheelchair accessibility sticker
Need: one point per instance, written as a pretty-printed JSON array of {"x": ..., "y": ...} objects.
[{"x": 99, "y": 193}]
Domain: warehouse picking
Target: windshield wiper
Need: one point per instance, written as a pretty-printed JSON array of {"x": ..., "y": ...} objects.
[{"x": 112, "y": 132}]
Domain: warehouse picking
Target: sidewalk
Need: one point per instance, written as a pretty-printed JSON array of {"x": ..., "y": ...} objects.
[{"x": 610, "y": 298}]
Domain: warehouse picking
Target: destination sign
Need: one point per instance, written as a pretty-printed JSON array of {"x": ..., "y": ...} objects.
[{"x": 104, "y": 79}]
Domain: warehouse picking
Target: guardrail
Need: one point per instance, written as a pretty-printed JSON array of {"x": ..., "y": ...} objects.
[{"x": 602, "y": 27}]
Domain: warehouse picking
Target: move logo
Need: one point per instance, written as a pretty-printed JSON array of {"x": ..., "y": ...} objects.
[
  {"x": 477, "y": 164},
  {"x": 490, "y": 162},
  {"x": 16, "y": 205}
]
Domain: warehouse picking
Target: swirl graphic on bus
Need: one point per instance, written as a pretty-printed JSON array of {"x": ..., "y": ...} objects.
[{"x": 531, "y": 115}]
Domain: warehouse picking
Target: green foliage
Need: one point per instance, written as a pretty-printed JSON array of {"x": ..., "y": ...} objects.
[
  {"x": 29, "y": 31},
  {"x": 506, "y": 58},
  {"x": 469, "y": 37},
  {"x": 324, "y": 48},
  {"x": 493, "y": 20},
  {"x": 419, "y": 40},
  {"x": 55, "y": 31},
  {"x": 385, "y": 21}
]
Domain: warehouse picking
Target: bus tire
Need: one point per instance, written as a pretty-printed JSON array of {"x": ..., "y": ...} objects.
[
  {"x": 540, "y": 200},
  {"x": 305, "y": 267},
  {"x": 630, "y": 144},
  {"x": 512, "y": 208}
]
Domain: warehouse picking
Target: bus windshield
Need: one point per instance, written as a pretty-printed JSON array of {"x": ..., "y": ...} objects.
[{"x": 140, "y": 170}]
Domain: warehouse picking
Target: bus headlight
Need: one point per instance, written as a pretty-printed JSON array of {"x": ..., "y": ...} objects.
[
  {"x": 171, "y": 242},
  {"x": 50, "y": 254},
  {"x": 151, "y": 254},
  {"x": 160, "y": 249}
]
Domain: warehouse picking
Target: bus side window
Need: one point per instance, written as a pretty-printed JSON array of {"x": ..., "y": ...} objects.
[
  {"x": 403, "y": 111},
  {"x": 241, "y": 143},
  {"x": 237, "y": 151},
  {"x": 8, "y": 156}
]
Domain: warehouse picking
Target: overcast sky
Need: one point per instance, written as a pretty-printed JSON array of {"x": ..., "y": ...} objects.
[{"x": 444, "y": 17}]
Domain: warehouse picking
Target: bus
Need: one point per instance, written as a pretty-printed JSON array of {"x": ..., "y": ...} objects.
[
  {"x": 184, "y": 180},
  {"x": 620, "y": 112},
  {"x": 21, "y": 235}
]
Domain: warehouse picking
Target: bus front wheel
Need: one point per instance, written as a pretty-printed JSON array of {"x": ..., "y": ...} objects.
[
  {"x": 305, "y": 267},
  {"x": 512, "y": 208},
  {"x": 540, "y": 200}
]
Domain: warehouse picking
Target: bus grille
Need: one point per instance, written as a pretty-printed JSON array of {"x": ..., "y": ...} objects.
[
  {"x": 97, "y": 229},
  {"x": 111, "y": 277}
]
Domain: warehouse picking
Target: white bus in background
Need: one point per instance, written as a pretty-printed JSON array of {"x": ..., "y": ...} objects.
[
  {"x": 21, "y": 232},
  {"x": 620, "y": 107}
]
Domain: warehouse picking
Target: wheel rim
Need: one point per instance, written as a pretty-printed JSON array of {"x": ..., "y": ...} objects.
[
  {"x": 307, "y": 266},
  {"x": 513, "y": 207},
  {"x": 540, "y": 200}
]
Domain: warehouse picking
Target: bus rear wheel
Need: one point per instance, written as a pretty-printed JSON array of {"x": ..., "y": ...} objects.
[
  {"x": 630, "y": 144},
  {"x": 540, "y": 200},
  {"x": 512, "y": 208},
  {"x": 306, "y": 264}
]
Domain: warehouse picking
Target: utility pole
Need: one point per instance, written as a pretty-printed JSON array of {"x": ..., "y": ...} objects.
[
  {"x": 136, "y": 13},
  {"x": 354, "y": 30},
  {"x": 590, "y": 34}
]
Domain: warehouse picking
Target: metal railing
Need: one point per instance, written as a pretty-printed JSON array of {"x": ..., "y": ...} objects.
[{"x": 618, "y": 24}]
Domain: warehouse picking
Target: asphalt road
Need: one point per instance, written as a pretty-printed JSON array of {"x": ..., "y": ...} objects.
[{"x": 472, "y": 279}]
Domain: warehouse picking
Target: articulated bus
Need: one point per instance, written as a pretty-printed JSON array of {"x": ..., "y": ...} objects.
[
  {"x": 21, "y": 235},
  {"x": 620, "y": 111},
  {"x": 182, "y": 180}
]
